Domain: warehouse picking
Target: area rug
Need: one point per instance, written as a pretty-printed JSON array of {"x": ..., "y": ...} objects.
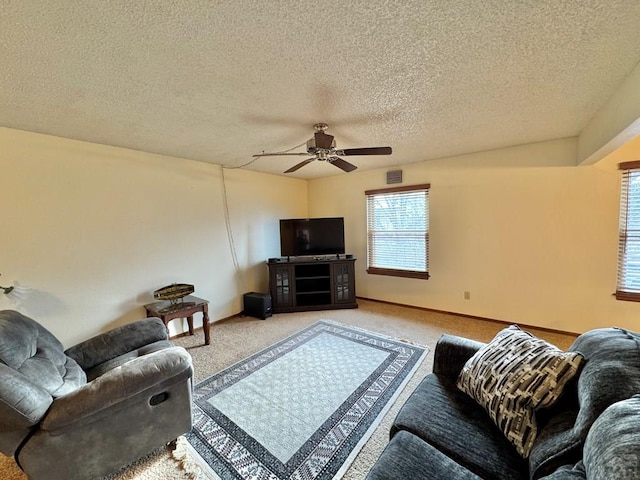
[{"x": 300, "y": 409}]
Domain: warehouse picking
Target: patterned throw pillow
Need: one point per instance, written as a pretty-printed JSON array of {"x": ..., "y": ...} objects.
[{"x": 512, "y": 376}]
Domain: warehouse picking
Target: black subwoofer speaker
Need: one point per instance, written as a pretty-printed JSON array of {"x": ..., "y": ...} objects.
[{"x": 257, "y": 305}]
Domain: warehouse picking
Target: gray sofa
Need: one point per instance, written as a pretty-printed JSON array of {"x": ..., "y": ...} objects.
[
  {"x": 89, "y": 410},
  {"x": 592, "y": 432}
]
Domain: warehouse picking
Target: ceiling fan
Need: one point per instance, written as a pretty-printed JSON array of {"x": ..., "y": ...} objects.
[{"x": 323, "y": 147}]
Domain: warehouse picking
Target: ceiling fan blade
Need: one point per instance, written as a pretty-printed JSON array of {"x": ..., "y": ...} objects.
[
  {"x": 300, "y": 165},
  {"x": 323, "y": 140},
  {"x": 343, "y": 164},
  {"x": 366, "y": 151}
]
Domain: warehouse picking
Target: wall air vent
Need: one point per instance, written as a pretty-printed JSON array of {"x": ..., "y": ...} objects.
[{"x": 394, "y": 176}]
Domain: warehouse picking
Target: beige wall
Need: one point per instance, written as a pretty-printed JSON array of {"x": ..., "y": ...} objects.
[
  {"x": 95, "y": 229},
  {"x": 626, "y": 153},
  {"x": 532, "y": 237},
  {"x": 616, "y": 122}
]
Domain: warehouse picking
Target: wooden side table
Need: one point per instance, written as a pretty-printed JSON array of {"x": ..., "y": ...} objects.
[{"x": 184, "y": 308}]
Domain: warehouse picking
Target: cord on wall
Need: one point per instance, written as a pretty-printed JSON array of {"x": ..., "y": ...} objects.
[
  {"x": 227, "y": 216},
  {"x": 227, "y": 221}
]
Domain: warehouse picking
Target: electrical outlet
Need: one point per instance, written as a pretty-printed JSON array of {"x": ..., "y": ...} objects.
[{"x": 467, "y": 295}]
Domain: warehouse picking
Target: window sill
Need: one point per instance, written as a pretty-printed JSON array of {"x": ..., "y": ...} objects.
[
  {"x": 628, "y": 297},
  {"x": 398, "y": 273}
]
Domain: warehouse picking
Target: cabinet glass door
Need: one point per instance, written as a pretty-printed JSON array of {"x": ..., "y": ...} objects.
[
  {"x": 283, "y": 286},
  {"x": 342, "y": 285}
]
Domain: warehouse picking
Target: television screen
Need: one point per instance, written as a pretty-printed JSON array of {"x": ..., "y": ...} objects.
[{"x": 311, "y": 236}]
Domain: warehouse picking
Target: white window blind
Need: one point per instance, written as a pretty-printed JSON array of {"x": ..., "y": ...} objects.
[
  {"x": 398, "y": 231},
  {"x": 628, "y": 281}
]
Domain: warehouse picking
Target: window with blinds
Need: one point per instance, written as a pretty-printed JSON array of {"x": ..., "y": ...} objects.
[
  {"x": 628, "y": 282},
  {"x": 398, "y": 231}
]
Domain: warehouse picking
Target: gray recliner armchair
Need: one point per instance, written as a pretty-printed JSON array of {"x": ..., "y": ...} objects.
[{"x": 89, "y": 410}]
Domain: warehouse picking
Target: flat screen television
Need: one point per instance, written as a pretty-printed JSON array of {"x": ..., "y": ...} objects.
[{"x": 311, "y": 236}]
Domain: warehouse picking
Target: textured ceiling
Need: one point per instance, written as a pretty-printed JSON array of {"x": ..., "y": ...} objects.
[{"x": 220, "y": 81}]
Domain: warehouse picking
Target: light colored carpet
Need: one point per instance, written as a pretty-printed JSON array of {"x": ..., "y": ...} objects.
[{"x": 234, "y": 339}]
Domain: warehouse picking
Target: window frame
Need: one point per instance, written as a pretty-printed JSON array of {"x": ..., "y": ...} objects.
[
  {"x": 393, "y": 271},
  {"x": 623, "y": 292}
]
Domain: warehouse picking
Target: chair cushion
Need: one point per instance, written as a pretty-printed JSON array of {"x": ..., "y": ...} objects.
[
  {"x": 102, "y": 368},
  {"x": 513, "y": 376},
  {"x": 408, "y": 457},
  {"x": 611, "y": 373},
  {"x": 31, "y": 350},
  {"x": 455, "y": 424},
  {"x": 568, "y": 472},
  {"x": 612, "y": 447},
  {"x": 117, "y": 341}
]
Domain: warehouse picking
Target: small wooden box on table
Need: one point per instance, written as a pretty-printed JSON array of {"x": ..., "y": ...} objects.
[{"x": 183, "y": 308}]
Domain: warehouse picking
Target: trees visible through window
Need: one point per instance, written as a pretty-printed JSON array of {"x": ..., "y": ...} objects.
[
  {"x": 628, "y": 282},
  {"x": 398, "y": 231}
]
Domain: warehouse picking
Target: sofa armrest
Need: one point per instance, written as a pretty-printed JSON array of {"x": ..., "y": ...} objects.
[
  {"x": 119, "y": 388},
  {"x": 22, "y": 402},
  {"x": 117, "y": 341},
  {"x": 451, "y": 353}
]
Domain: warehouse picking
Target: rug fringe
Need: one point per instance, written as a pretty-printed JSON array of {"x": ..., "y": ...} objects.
[{"x": 191, "y": 467}]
